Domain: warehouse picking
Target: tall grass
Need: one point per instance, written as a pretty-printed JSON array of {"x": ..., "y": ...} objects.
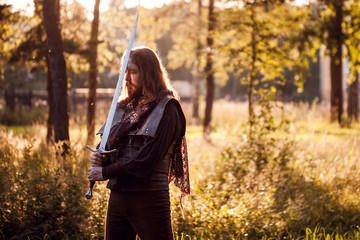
[
  {"x": 304, "y": 184},
  {"x": 310, "y": 180}
]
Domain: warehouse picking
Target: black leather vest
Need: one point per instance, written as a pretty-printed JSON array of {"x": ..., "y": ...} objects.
[{"x": 158, "y": 179}]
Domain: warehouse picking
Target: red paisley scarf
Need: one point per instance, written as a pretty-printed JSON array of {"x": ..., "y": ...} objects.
[{"x": 134, "y": 116}]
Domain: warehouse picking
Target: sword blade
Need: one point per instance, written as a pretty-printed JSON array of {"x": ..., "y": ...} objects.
[{"x": 115, "y": 99}]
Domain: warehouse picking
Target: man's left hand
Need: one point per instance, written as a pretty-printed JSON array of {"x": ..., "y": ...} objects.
[{"x": 95, "y": 174}]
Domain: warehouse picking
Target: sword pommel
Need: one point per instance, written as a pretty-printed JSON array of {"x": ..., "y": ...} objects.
[{"x": 89, "y": 193}]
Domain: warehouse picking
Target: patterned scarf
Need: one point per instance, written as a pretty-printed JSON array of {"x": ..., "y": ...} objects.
[{"x": 134, "y": 116}]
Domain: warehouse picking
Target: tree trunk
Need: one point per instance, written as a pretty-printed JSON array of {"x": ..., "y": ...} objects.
[
  {"x": 93, "y": 74},
  {"x": 353, "y": 99},
  {"x": 335, "y": 47},
  {"x": 252, "y": 74},
  {"x": 50, "y": 121},
  {"x": 197, "y": 78},
  {"x": 51, "y": 10},
  {"x": 209, "y": 73}
]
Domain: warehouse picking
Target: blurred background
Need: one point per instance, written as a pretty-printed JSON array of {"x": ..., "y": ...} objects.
[{"x": 270, "y": 90}]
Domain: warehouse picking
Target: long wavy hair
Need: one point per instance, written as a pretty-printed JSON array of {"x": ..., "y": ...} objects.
[{"x": 154, "y": 78}]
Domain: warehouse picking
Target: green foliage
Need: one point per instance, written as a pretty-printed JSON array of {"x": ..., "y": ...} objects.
[
  {"x": 352, "y": 36},
  {"x": 188, "y": 48},
  {"x": 241, "y": 202},
  {"x": 44, "y": 194},
  {"x": 275, "y": 188},
  {"x": 23, "y": 116},
  {"x": 236, "y": 200},
  {"x": 268, "y": 36},
  {"x": 296, "y": 184},
  {"x": 10, "y": 33}
]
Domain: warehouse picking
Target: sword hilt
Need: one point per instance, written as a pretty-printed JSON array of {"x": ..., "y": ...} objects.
[
  {"x": 89, "y": 193},
  {"x": 100, "y": 150},
  {"x": 92, "y": 183}
]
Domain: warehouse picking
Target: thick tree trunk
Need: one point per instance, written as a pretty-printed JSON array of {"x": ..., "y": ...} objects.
[
  {"x": 50, "y": 121},
  {"x": 209, "y": 73},
  {"x": 197, "y": 78},
  {"x": 353, "y": 99},
  {"x": 93, "y": 74},
  {"x": 335, "y": 47},
  {"x": 57, "y": 69}
]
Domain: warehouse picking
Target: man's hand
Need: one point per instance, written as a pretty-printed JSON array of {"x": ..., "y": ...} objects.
[
  {"x": 98, "y": 160},
  {"x": 95, "y": 174}
]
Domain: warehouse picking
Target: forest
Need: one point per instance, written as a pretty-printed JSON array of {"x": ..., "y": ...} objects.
[{"x": 270, "y": 91}]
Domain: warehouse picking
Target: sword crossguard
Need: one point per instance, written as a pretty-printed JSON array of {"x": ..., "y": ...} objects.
[{"x": 100, "y": 150}]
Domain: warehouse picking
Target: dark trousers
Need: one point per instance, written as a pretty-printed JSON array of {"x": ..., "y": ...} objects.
[{"x": 142, "y": 213}]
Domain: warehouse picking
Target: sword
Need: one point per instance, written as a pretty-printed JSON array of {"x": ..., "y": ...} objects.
[{"x": 115, "y": 99}]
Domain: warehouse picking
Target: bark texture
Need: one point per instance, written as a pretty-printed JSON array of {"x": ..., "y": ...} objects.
[
  {"x": 93, "y": 74},
  {"x": 209, "y": 72},
  {"x": 51, "y": 15},
  {"x": 335, "y": 48}
]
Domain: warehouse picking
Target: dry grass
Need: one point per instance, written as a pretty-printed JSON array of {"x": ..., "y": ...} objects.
[{"x": 325, "y": 159}]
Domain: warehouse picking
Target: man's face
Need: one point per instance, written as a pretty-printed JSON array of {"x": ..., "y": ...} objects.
[{"x": 132, "y": 79}]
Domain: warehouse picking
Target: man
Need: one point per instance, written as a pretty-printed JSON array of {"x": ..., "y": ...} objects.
[{"x": 148, "y": 133}]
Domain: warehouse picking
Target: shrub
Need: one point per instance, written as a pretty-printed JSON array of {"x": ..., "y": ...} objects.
[
  {"x": 236, "y": 200},
  {"x": 267, "y": 189},
  {"x": 23, "y": 115},
  {"x": 44, "y": 194}
]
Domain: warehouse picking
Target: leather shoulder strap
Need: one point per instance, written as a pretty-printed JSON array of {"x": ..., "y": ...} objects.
[{"x": 152, "y": 122}]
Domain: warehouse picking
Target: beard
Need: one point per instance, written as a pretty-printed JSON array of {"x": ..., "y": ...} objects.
[{"x": 133, "y": 91}]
